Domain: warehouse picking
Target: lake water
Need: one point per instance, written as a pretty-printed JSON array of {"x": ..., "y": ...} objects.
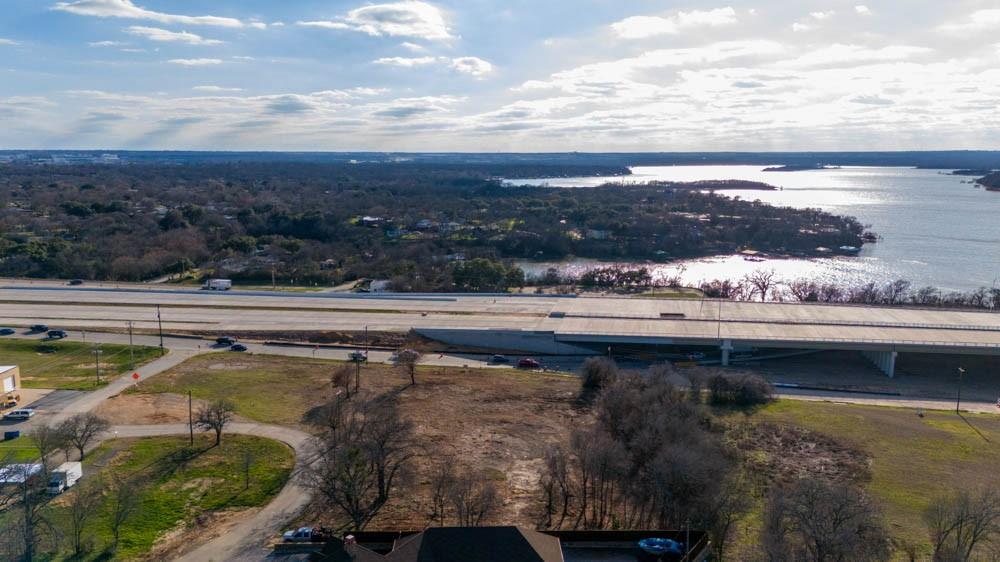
[{"x": 937, "y": 229}]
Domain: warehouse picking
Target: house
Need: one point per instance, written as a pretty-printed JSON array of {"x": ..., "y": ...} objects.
[{"x": 10, "y": 378}]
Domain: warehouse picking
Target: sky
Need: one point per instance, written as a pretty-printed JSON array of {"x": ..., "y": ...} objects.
[{"x": 500, "y": 75}]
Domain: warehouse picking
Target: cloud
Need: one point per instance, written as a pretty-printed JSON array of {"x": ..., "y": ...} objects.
[
  {"x": 799, "y": 27},
  {"x": 289, "y": 104},
  {"x": 872, "y": 100},
  {"x": 107, "y": 44},
  {"x": 822, "y": 15},
  {"x": 216, "y": 89},
  {"x": 127, "y": 9},
  {"x": 641, "y": 27},
  {"x": 862, "y": 10},
  {"x": 8, "y": 41},
  {"x": 406, "y": 61},
  {"x": 851, "y": 55},
  {"x": 409, "y": 18},
  {"x": 978, "y": 21},
  {"x": 473, "y": 66},
  {"x": 413, "y": 47},
  {"x": 405, "y": 108},
  {"x": 157, "y": 34},
  {"x": 195, "y": 62}
]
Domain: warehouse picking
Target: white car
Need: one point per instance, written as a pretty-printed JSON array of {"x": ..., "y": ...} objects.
[{"x": 19, "y": 414}]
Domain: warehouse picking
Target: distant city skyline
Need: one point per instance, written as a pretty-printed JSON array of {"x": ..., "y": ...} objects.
[{"x": 486, "y": 75}]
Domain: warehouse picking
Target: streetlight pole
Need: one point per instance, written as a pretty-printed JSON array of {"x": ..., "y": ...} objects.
[
  {"x": 131, "y": 350},
  {"x": 97, "y": 363},
  {"x": 958, "y": 400},
  {"x": 159, "y": 321},
  {"x": 190, "y": 418}
]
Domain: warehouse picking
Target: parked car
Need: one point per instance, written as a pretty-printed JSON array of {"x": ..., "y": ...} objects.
[
  {"x": 76, "y": 282},
  {"x": 237, "y": 347},
  {"x": 528, "y": 363},
  {"x": 20, "y": 414},
  {"x": 499, "y": 359},
  {"x": 307, "y": 534},
  {"x": 358, "y": 356},
  {"x": 57, "y": 334},
  {"x": 39, "y": 328},
  {"x": 7, "y": 331},
  {"x": 225, "y": 340}
]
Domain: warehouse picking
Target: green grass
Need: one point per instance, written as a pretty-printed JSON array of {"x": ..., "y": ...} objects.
[
  {"x": 18, "y": 450},
  {"x": 914, "y": 459},
  {"x": 178, "y": 482},
  {"x": 68, "y": 365}
]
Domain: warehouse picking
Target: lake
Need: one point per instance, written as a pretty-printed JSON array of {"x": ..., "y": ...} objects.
[{"x": 937, "y": 229}]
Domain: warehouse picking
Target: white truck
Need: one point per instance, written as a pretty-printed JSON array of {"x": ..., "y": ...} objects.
[
  {"x": 64, "y": 477},
  {"x": 218, "y": 285}
]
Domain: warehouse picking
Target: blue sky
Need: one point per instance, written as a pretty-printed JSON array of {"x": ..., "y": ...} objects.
[{"x": 490, "y": 75}]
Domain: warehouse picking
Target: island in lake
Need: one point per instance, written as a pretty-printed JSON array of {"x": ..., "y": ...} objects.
[
  {"x": 979, "y": 172},
  {"x": 800, "y": 168},
  {"x": 991, "y": 182}
]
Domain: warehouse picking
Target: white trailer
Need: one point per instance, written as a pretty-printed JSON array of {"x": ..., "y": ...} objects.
[
  {"x": 218, "y": 285},
  {"x": 64, "y": 477}
]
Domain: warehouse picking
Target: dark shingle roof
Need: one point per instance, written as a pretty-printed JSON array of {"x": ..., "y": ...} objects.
[{"x": 477, "y": 544}]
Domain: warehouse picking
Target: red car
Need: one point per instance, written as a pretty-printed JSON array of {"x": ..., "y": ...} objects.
[{"x": 528, "y": 363}]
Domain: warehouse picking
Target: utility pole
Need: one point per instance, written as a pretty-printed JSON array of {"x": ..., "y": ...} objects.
[
  {"x": 160, "y": 322},
  {"x": 131, "y": 351},
  {"x": 190, "y": 418},
  {"x": 958, "y": 401},
  {"x": 97, "y": 362}
]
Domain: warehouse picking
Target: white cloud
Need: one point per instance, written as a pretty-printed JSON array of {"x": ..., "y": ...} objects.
[
  {"x": 473, "y": 66},
  {"x": 978, "y": 21},
  {"x": 822, "y": 15},
  {"x": 106, "y": 44},
  {"x": 409, "y": 18},
  {"x": 215, "y": 89},
  {"x": 127, "y": 9},
  {"x": 862, "y": 10},
  {"x": 157, "y": 34},
  {"x": 413, "y": 47},
  {"x": 640, "y": 27},
  {"x": 195, "y": 62},
  {"x": 8, "y": 41},
  {"x": 799, "y": 27},
  {"x": 852, "y": 55},
  {"x": 406, "y": 61}
]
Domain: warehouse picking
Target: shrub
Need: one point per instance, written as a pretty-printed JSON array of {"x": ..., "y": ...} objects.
[
  {"x": 739, "y": 390},
  {"x": 598, "y": 373}
]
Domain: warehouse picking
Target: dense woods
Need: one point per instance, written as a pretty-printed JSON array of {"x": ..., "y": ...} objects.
[{"x": 422, "y": 226}]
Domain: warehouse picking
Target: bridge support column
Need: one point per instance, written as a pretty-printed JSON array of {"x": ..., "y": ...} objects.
[
  {"x": 727, "y": 348},
  {"x": 884, "y": 360}
]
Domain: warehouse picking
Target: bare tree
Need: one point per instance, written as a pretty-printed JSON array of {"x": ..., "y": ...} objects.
[
  {"x": 340, "y": 378},
  {"x": 762, "y": 282},
  {"x": 823, "y": 522},
  {"x": 964, "y": 527},
  {"x": 598, "y": 372},
  {"x": 804, "y": 290},
  {"x": 81, "y": 506},
  {"x": 23, "y": 500},
  {"x": 47, "y": 439},
  {"x": 442, "y": 480},
  {"x": 214, "y": 417},
  {"x": 81, "y": 429},
  {"x": 124, "y": 504},
  {"x": 362, "y": 456},
  {"x": 473, "y": 499},
  {"x": 408, "y": 359}
]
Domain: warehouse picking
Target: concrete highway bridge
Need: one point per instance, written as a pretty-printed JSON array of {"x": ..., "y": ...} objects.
[{"x": 542, "y": 324}]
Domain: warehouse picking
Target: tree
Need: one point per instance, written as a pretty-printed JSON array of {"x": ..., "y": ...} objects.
[
  {"x": 965, "y": 526},
  {"x": 408, "y": 359},
  {"x": 442, "y": 480},
  {"x": 123, "y": 505},
  {"x": 340, "y": 378},
  {"x": 473, "y": 499},
  {"x": 81, "y": 429},
  {"x": 23, "y": 502},
  {"x": 214, "y": 417},
  {"x": 821, "y": 521},
  {"x": 598, "y": 372},
  {"x": 81, "y": 506},
  {"x": 761, "y": 281},
  {"x": 47, "y": 439}
]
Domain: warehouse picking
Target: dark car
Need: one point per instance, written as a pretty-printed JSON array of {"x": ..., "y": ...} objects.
[
  {"x": 76, "y": 282},
  {"x": 39, "y": 328},
  {"x": 56, "y": 334},
  {"x": 7, "y": 331},
  {"x": 237, "y": 347},
  {"x": 358, "y": 356},
  {"x": 499, "y": 359},
  {"x": 225, "y": 340},
  {"x": 528, "y": 363}
]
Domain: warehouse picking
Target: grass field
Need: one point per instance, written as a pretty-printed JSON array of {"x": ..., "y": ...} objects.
[
  {"x": 68, "y": 365},
  {"x": 177, "y": 483},
  {"x": 914, "y": 459},
  {"x": 18, "y": 450}
]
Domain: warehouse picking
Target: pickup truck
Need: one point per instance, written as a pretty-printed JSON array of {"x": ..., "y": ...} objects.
[
  {"x": 64, "y": 477},
  {"x": 307, "y": 534}
]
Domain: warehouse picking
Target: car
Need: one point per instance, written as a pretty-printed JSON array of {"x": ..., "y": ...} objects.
[
  {"x": 76, "y": 282},
  {"x": 528, "y": 363},
  {"x": 7, "y": 331},
  {"x": 225, "y": 340},
  {"x": 19, "y": 414},
  {"x": 358, "y": 356},
  {"x": 307, "y": 534},
  {"x": 499, "y": 359},
  {"x": 39, "y": 328},
  {"x": 56, "y": 334},
  {"x": 237, "y": 347}
]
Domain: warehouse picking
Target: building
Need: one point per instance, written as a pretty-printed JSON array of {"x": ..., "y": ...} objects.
[
  {"x": 10, "y": 378},
  {"x": 505, "y": 544}
]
